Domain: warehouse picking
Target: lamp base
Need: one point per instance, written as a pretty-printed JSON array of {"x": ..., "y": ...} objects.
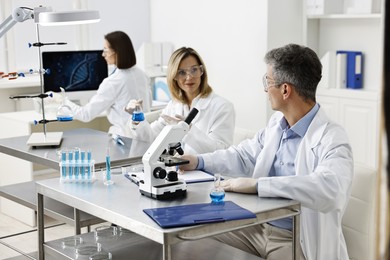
[{"x": 40, "y": 139}]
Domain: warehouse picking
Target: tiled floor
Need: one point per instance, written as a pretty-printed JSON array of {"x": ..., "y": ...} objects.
[{"x": 28, "y": 242}]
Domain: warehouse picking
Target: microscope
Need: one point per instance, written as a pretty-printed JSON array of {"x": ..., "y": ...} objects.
[{"x": 157, "y": 183}]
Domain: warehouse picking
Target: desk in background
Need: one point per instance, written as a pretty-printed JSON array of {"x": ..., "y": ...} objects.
[
  {"x": 30, "y": 85},
  {"x": 122, "y": 204},
  {"x": 21, "y": 86}
]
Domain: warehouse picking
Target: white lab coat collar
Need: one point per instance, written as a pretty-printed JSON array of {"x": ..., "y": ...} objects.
[
  {"x": 202, "y": 103},
  {"x": 199, "y": 103},
  {"x": 313, "y": 136},
  {"x": 273, "y": 133},
  {"x": 266, "y": 157}
]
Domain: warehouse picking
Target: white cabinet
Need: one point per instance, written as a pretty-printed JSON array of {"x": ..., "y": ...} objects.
[
  {"x": 358, "y": 111},
  {"x": 21, "y": 86}
]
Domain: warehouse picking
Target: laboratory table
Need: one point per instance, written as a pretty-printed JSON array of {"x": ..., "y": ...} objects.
[
  {"x": 122, "y": 204},
  {"x": 25, "y": 194},
  {"x": 84, "y": 138}
]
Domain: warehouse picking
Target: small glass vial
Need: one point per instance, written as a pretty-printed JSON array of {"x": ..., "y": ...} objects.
[
  {"x": 107, "y": 177},
  {"x": 217, "y": 193},
  {"x": 138, "y": 116}
]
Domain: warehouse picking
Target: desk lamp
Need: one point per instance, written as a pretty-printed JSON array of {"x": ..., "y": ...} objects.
[{"x": 46, "y": 17}]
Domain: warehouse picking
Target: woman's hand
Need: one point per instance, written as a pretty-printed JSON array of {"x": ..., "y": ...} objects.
[
  {"x": 172, "y": 120},
  {"x": 132, "y": 105}
]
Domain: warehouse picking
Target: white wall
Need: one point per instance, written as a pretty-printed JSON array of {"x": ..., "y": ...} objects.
[
  {"x": 230, "y": 35},
  {"x": 131, "y": 16}
]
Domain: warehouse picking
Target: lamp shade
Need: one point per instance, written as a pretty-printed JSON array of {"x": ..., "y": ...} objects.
[{"x": 68, "y": 18}]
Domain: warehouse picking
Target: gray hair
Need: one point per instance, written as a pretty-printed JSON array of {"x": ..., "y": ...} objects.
[{"x": 297, "y": 65}]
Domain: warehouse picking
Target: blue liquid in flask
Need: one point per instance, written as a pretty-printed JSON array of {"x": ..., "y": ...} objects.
[{"x": 217, "y": 196}]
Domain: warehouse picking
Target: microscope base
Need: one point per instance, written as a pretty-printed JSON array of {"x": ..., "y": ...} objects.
[{"x": 167, "y": 191}]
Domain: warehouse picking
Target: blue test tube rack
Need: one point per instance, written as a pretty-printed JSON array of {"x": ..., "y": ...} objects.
[{"x": 76, "y": 167}]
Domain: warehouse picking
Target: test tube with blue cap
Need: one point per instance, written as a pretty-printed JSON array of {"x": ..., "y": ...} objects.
[
  {"x": 76, "y": 163},
  {"x": 70, "y": 164},
  {"x": 89, "y": 167},
  {"x": 82, "y": 165},
  {"x": 107, "y": 179},
  {"x": 64, "y": 162}
]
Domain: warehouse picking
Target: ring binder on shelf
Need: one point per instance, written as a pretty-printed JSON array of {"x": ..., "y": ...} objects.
[{"x": 354, "y": 68}]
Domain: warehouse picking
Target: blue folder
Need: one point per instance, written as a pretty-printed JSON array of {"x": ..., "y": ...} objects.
[
  {"x": 354, "y": 69},
  {"x": 194, "y": 214}
]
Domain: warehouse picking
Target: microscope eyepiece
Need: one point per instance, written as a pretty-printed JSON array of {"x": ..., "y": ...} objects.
[{"x": 191, "y": 115}]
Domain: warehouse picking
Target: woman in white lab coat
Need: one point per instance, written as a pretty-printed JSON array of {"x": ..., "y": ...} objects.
[
  {"x": 213, "y": 126},
  {"x": 125, "y": 83},
  {"x": 299, "y": 155}
]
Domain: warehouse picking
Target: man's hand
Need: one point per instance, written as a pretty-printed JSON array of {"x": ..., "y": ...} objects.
[
  {"x": 240, "y": 185},
  {"x": 191, "y": 166}
]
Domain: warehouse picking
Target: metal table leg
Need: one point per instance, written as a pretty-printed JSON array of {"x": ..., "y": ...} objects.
[
  {"x": 77, "y": 225},
  {"x": 41, "y": 228},
  {"x": 166, "y": 252},
  {"x": 296, "y": 236}
]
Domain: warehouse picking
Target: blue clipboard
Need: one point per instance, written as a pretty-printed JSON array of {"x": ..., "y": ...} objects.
[{"x": 195, "y": 214}]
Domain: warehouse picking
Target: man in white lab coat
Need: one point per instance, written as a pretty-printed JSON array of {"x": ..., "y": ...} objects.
[{"x": 300, "y": 155}]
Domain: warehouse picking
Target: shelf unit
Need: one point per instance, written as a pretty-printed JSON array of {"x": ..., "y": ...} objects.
[{"x": 358, "y": 111}]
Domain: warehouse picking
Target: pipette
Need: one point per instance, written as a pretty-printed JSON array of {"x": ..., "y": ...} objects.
[{"x": 117, "y": 139}]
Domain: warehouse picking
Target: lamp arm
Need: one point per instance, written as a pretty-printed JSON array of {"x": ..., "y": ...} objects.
[
  {"x": 20, "y": 14},
  {"x": 6, "y": 25}
]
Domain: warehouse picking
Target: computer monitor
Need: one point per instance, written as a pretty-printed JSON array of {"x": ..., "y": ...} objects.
[{"x": 78, "y": 72}]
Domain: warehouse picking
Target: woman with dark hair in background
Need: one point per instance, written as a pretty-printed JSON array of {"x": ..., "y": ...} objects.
[{"x": 125, "y": 83}]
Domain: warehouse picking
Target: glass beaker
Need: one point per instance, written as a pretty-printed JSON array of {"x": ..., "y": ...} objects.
[
  {"x": 137, "y": 117},
  {"x": 64, "y": 112},
  {"x": 217, "y": 193}
]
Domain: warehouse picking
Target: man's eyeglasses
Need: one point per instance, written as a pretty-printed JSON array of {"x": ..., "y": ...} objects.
[
  {"x": 266, "y": 83},
  {"x": 194, "y": 71}
]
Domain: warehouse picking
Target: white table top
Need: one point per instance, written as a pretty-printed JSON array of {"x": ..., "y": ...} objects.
[
  {"x": 123, "y": 205},
  {"x": 83, "y": 138}
]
